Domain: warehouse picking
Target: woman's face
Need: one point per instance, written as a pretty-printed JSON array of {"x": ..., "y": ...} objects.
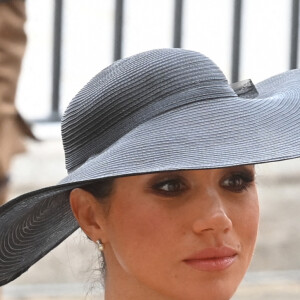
[{"x": 181, "y": 234}]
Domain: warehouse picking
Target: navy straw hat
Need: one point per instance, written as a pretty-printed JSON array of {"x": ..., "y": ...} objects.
[{"x": 161, "y": 110}]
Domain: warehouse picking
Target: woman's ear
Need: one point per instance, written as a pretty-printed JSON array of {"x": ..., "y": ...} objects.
[{"x": 89, "y": 213}]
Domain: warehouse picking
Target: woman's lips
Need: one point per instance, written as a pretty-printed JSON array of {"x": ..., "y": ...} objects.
[{"x": 212, "y": 259}]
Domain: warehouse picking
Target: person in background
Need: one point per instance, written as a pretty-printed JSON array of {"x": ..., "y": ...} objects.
[{"x": 12, "y": 47}]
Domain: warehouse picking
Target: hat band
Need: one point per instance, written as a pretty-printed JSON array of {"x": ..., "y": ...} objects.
[
  {"x": 245, "y": 89},
  {"x": 98, "y": 143}
]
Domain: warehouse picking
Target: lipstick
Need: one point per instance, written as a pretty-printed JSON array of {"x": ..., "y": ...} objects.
[{"x": 212, "y": 259}]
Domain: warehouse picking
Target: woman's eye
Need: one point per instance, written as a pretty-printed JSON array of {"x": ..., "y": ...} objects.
[
  {"x": 237, "y": 182},
  {"x": 171, "y": 186}
]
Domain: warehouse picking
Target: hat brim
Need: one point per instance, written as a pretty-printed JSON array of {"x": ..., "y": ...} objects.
[{"x": 206, "y": 134}]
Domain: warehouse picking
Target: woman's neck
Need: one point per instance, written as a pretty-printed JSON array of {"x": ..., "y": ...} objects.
[{"x": 125, "y": 287}]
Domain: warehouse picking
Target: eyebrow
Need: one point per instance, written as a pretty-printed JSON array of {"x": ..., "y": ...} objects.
[{"x": 243, "y": 167}]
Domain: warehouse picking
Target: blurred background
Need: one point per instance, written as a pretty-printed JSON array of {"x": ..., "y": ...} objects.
[{"x": 72, "y": 40}]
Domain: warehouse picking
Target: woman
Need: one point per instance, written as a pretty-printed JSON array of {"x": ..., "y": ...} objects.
[{"x": 160, "y": 152}]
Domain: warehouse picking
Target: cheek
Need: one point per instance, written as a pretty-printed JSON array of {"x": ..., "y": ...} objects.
[
  {"x": 252, "y": 219},
  {"x": 138, "y": 234},
  {"x": 246, "y": 225}
]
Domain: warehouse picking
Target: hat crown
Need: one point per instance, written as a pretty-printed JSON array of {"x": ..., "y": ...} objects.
[{"x": 131, "y": 91}]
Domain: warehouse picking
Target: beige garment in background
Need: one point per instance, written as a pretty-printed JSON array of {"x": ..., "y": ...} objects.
[{"x": 12, "y": 47}]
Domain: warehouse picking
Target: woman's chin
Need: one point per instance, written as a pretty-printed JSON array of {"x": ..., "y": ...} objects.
[{"x": 219, "y": 284}]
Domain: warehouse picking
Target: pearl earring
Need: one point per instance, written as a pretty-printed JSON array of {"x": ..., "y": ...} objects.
[{"x": 100, "y": 245}]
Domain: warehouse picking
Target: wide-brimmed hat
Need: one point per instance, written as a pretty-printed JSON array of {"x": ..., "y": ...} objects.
[{"x": 166, "y": 109}]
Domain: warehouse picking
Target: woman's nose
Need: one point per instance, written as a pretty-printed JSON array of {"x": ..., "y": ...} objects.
[{"x": 213, "y": 216}]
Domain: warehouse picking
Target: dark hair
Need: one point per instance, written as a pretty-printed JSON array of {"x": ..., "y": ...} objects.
[{"x": 101, "y": 189}]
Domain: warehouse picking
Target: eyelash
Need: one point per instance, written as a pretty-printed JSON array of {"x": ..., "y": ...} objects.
[
  {"x": 245, "y": 180},
  {"x": 235, "y": 182},
  {"x": 180, "y": 186}
]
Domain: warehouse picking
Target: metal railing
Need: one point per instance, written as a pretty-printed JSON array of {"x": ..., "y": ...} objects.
[{"x": 177, "y": 41}]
